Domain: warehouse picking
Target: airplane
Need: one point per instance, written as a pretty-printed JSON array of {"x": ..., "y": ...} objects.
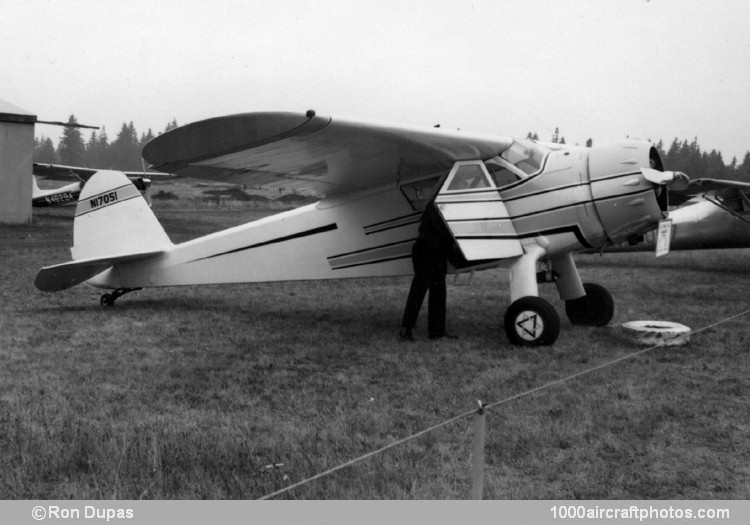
[
  {"x": 68, "y": 194},
  {"x": 711, "y": 214},
  {"x": 507, "y": 202}
]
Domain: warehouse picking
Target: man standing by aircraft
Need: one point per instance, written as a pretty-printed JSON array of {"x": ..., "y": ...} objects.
[{"x": 430, "y": 254}]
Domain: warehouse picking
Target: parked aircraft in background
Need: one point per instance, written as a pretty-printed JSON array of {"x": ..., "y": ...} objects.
[
  {"x": 69, "y": 193},
  {"x": 507, "y": 202},
  {"x": 719, "y": 217}
]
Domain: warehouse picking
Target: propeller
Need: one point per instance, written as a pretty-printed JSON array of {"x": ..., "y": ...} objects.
[{"x": 674, "y": 180}]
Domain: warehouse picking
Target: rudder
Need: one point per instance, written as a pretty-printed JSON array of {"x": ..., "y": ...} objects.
[{"x": 112, "y": 218}]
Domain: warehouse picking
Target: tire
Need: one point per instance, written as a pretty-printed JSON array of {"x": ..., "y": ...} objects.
[
  {"x": 653, "y": 333},
  {"x": 531, "y": 321},
  {"x": 596, "y": 308},
  {"x": 107, "y": 300}
]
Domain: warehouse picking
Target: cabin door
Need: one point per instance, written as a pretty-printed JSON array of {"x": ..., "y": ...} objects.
[{"x": 471, "y": 206}]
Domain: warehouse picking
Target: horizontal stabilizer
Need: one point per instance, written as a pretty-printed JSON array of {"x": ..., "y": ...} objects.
[{"x": 65, "y": 275}]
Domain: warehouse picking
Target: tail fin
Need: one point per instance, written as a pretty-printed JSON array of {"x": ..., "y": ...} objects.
[
  {"x": 113, "y": 224},
  {"x": 35, "y": 190},
  {"x": 112, "y": 218}
]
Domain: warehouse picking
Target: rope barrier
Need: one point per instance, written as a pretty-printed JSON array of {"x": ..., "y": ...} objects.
[{"x": 484, "y": 407}]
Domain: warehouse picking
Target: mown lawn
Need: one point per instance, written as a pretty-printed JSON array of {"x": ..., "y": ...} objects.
[{"x": 238, "y": 391}]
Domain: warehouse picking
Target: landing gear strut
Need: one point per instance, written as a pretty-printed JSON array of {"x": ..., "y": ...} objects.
[{"x": 108, "y": 299}]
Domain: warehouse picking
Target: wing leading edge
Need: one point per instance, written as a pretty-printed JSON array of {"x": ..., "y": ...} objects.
[{"x": 307, "y": 152}]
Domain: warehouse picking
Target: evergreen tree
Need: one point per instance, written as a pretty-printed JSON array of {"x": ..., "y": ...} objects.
[
  {"x": 71, "y": 150},
  {"x": 44, "y": 151},
  {"x": 103, "y": 147},
  {"x": 715, "y": 167},
  {"x": 145, "y": 139},
  {"x": 673, "y": 155},
  {"x": 124, "y": 152},
  {"x": 171, "y": 125},
  {"x": 743, "y": 171}
]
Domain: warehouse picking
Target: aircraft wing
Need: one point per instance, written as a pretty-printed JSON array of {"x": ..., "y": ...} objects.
[
  {"x": 722, "y": 188},
  {"x": 309, "y": 153},
  {"x": 60, "y": 172}
]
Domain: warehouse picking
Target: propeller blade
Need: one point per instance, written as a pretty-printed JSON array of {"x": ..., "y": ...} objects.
[{"x": 674, "y": 180}]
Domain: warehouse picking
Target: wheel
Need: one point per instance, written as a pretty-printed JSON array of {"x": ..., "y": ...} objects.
[
  {"x": 532, "y": 321},
  {"x": 107, "y": 300},
  {"x": 596, "y": 308}
]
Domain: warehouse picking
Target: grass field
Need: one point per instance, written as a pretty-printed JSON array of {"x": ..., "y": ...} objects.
[{"x": 238, "y": 391}]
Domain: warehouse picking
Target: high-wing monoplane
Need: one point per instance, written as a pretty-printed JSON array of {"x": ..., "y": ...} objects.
[
  {"x": 507, "y": 202},
  {"x": 711, "y": 214}
]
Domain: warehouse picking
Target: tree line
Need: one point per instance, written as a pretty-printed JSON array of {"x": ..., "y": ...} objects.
[
  {"x": 124, "y": 152},
  {"x": 688, "y": 158}
]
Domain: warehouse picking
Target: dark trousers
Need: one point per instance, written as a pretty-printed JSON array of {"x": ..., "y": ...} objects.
[{"x": 429, "y": 275}]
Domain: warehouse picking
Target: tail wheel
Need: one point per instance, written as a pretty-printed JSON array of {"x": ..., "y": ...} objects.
[
  {"x": 596, "y": 308},
  {"x": 532, "y": 321}
]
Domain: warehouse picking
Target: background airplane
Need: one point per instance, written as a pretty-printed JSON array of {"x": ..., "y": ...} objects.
[
  {"x": 68, "y": 194},
  {"x": 718, "y": 217},
  {"x": 507, "y": 202}
]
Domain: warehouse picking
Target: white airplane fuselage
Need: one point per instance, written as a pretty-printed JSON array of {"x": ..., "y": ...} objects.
[{"x": 581, "y": 198}]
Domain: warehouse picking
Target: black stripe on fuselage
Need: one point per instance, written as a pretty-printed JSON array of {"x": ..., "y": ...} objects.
[
  {"x": 382, "y": 223},
  {"x": 374, "y": 261},
  {"x": 298, "y": 235},
  {"x": 546, "y": 210},
  {"x": 392, "y": 224},
  {"x": 574, "y": 229},
  {"x": 505, "y": 189},
  {"x": 363, "y": 250}
]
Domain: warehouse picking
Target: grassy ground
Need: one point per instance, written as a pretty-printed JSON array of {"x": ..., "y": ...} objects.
[{"x": 238, "y": 391}]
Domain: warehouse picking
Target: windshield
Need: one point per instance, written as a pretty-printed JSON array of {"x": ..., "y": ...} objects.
[{"x": 526, "y": 155}]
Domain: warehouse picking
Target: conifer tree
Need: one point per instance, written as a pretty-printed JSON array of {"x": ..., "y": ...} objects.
[
  {"x": 44, "y": 151},
  {"x": 71, "y": 150},
  {"x": 171, "y": 125},
  {"x": 125, "y": 154}
]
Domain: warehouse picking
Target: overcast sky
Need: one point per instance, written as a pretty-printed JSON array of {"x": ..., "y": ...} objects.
[{"x": 603, "y": 69}]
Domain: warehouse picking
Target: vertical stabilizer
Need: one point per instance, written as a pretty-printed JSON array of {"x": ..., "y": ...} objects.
[
  {"x": 113, "y": 219},
  {"x": 35, "y": 190}
]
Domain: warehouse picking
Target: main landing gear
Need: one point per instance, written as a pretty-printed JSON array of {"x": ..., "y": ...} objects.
[
  {"x": 533, "y": 321},
  {"x": 596, "y": 308},
  {"x": 108, "y": 299}
]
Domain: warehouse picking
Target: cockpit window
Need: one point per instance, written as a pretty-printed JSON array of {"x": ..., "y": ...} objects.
[
  {"x": 469, "y": 177},
  {"x": 526, "y": 155},
  {"x": 501, "y": 173}
]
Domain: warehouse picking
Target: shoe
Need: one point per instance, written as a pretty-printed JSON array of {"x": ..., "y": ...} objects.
[
  {"x": 405, "y": 335},
  {"x": 444, "y": 335}
]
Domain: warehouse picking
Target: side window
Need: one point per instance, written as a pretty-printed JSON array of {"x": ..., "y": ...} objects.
[
  {"x": 501, "y": 175},
  {"x": 469, "y": 177}
]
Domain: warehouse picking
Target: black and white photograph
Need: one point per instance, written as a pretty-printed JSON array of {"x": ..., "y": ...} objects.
[{"x": 348, "y": 251}]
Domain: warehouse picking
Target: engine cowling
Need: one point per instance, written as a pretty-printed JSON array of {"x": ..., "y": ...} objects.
[{"x": 626, "y": 202}]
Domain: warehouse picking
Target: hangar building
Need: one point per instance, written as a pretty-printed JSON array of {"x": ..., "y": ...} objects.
[{"x": 16, "y": 163}]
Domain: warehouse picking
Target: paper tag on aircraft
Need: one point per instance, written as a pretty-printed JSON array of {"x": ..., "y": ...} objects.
[{"x": 664, "y": 237}]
